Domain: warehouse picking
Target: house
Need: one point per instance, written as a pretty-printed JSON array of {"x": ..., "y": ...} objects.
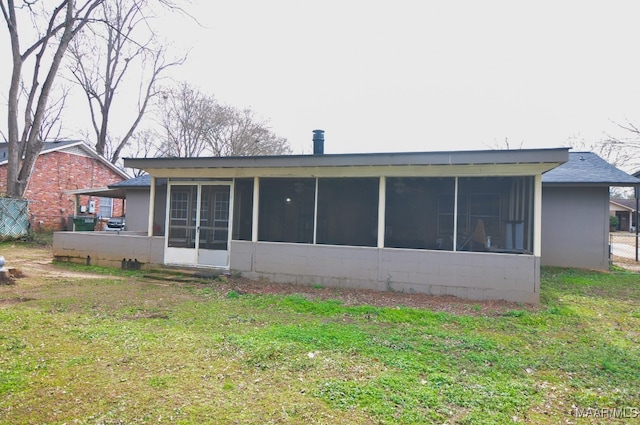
[
  {"x": 575, "y": 211},
  {"x": 61, "y": 167},
  {"x": 462, "y": 223},
  {"x": 624, "y": 210}
]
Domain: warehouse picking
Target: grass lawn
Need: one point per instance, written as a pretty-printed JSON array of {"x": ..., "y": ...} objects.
[{"x": 122, "y": 349}]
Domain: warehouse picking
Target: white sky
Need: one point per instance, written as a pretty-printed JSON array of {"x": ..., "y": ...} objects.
[{"x": 409, "y": 75}]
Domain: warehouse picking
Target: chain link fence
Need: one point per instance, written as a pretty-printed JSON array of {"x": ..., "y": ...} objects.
[
  {"x": 623, "y": 247},
  {"x": 14, "y": 218}
]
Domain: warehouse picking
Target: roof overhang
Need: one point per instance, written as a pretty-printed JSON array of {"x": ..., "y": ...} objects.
[
  {"x": 454, "y": 163},
  {"x": 101, "y": 192}
]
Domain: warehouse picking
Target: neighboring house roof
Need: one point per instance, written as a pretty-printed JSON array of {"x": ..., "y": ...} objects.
[
  {"x": 629, "y": 204},
  {"x": 140, "y": 181},
  {"x": 588, "y": 169},
  {"x": 70, "y": 146}
]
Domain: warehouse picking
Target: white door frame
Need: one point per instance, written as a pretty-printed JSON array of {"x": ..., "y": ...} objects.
[{"x": 196, "y": 256}]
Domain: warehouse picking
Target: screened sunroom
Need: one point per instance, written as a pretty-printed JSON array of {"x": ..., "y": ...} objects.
[{"x": 457, "y": 223}]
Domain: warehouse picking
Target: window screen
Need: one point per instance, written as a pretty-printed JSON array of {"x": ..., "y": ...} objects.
[
  {"x": 419, "y": 213},
  {"x": 286, "y": 210},
  {"x": 495, "y": 213},
  {"x": 348, "y": 211},
  {"x": 243, "y": 209}
]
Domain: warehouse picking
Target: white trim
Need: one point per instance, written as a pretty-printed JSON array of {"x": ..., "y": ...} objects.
[
  {"x": 315, "y": 214},
  {"x": 455, "y": 214},
  {"x": 193, "y": 256},
  {"x": 382, "y": 199},
  {"x": 254, "y": 214},
  {"x": 152, "y": 206},
  {"x": 537, "y": 217}
]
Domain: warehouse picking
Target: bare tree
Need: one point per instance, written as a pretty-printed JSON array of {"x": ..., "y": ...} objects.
[
  {"x": 123, "y": 45},
  {"x": 621, "y": 152},
  {"x": 195, "y": 124},
  {"x": 143, "y": 145},
  {"x": 63, "y": 22},
  {"x": 185, "y": 118},
  {"x": 240, "y": 133},
  {"x": 506, "y": 144}
]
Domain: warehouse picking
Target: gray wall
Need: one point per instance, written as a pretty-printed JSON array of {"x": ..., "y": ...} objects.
[
  {"x": 108, "y": 248},
  {"x": 469, "y": 275},
  {"x": 575, "y": 227},
  {"x": 137, "y": 210}
]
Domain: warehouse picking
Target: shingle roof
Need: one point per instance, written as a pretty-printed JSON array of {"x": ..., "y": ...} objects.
[
  {"x": 47, "y": 146},
  {"x": 587, "y": 168},
  {"x": 140, "y": 181},
  {"x": 628, "y": 203}
]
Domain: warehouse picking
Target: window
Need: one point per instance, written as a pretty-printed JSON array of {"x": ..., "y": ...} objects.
[
  {"x": 348, "y": 211},
  {"x": 106, "y": 207},
  {"x": 286, "y": 210},
  {"x": 419, "y": 213}
]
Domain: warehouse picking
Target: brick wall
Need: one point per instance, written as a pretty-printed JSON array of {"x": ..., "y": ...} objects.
[{"x": 56, "y": 172}]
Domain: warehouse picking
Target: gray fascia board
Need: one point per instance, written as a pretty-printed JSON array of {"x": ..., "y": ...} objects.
[{"x": 524, "y": 156}]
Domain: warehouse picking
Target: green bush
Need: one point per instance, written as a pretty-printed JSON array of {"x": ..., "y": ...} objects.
[{"x": 613, "y": 221}]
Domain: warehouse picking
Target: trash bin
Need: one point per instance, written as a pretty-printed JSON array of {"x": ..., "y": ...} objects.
[{"x": 84, "y": 224}]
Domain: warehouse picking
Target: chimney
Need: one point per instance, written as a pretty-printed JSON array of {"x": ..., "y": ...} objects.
[{"x": 318, "y": 142}]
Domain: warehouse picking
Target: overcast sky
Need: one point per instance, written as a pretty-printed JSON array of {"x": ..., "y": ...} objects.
[
  {"x": 420, "y": 75},
  {"x": 414, "y": 75}
]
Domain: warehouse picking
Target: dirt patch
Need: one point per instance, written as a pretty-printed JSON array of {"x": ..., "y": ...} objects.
[
  {"x": 36, "y": 263},
  {"x": 11, "y": 301},
  {"x": 354, "y": 297},
  {"x": 626, "y": 263}
]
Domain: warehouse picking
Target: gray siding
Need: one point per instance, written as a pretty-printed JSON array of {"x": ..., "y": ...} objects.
[
  {"x": 575, "y": 227},
  {"x": 137, "y": 210},
  {"x": 468, "y": 275}
]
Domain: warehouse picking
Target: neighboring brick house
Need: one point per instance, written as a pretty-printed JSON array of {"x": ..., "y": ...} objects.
[{"x": 63, "y": 166}]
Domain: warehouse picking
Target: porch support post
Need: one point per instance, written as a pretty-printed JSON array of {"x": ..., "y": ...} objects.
[
  {"x": 454, "y": 238},
  {"x": 76, "y": 202},
  {"x": 152, "y": 206},
  {"x": 537, "y": 216},
  {"x": 315, "y": 213},
  {"x": 382, "y": 210},
  {"x": 256, "y": 201}
]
